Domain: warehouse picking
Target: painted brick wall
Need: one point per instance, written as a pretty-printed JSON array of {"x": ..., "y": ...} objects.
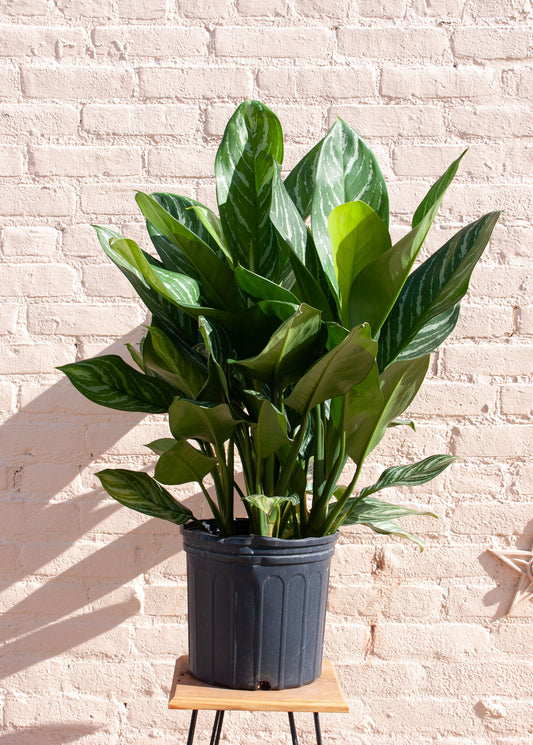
[{"x": 99, "y": 97}]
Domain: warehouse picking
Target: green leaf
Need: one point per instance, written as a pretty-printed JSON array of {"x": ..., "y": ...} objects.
[
  {"x": 217, "y": 279},
  {"x": 271, "y": 507},
  {"x": 183, "y": 463},
  {"x": 379, "y": 516},
  {"x": 336, "y": 372},
  {"x": 212, "y": 224},
  {"x": 261, "y": 288},
  {"x": 358, "y": 237},
  {"x": 378, "y": 285},
  {"x": 427, "y": 308},
  {"x": 189, "y": 377},
  {"x": 244, "y": 167},
  {"x": 161, "y": 445},
  {"x": 192, "y": 420},
  {"x": 109, "y": 381},
  {"x": 270, "y": 433},
  {"x": 369, "y": 415},
  {"x": 346, "y": 171},
  {"x": 411, "y": 474},
  {"x": 437, "y": 190},
  {"x": 288, "y": 353},
  {"x": 285, "y": 217},
  {"x": 140, "y": 492},
  {"x": 300, "y": 183}
]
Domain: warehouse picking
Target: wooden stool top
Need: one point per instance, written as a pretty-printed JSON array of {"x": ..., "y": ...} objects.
[{"x": 324, "y": 694}]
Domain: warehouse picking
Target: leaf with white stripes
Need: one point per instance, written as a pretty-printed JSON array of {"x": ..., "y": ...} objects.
[
  {"x": 285, "y": 217},
  {"x": 380, "y": 516},
  {"x": 244, "y": 167},
  {"x": 412, "y": 474},
  {"x": 346, "y": 170},
  {"x": 426, "y": 308},
  {"x": 141, "y": 493},
  {"x": 109, "y": 381},
  {"x": 300, "y": 183}
]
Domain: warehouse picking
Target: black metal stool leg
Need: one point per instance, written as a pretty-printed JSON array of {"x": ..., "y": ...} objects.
[
  {"x": 317, "y": 729},
  {"x": 293, "y": 728},
  {"x": 217, "y": 727},
  {"x": 192, "y": 727}
]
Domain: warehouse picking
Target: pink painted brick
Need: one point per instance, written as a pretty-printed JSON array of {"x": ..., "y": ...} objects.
[
  {"x": 194, "y": 82},
  {"x": 502, "y": 518},
  {"x": 444, "y": 8},
  {"x": 9, "y": 314},
  {"x": 42, "y": 711},
  {"x": 145, "y": 11},
  {"x": 67, "y": 320},
  {"x": 494, "y": 441},
  {"x": 29, "y": 241},
  {"x": 316, "y": 9},
  {"x": 513, "y": 637},
  {"x": 317, "y": 82},
  {"x": 440, "y": 398},
  {"x": 85, "y": 161},
  {"x": 11, "y": 161},
  {"x": 7, "y": 397},
  {"x": 119, "y": 199},
  {"x": 35, "y": 120},
  {"x": 511, "y": 244},
  {"x": 162, "y": 640},
  {"x": 40, "y": 201},
  {"x": 382, "y": 8},
  {"x": 500, "y": 281},
  {"x": 480, "y": 161},
  {"x": 46, "y": 442},
  {"x": 81, "y": 240},
  {"x": 206, "y": 9},
  {"x": 92, "y": 677},
  {"x": 30, "y": 8},
  {"x": 491, "y": 121},
  {"x": 485, "y": 323},
  {"x": 519, "y": 83},
  {"x": 392, "y": 121},
  {"x": 504, "y": 9},
  {"x": 9, "y": 86},
  {"x": 422, "y": 715},
  {"x": 488, "y": 359},
  {"x": 438, "y": 82},
  {"x": 525, "y": 324},
  {"x": 406, "y": 601},
  {"x": 86, "y": 8},
  {"x": 41, "y": 41},
  {"x": 182, "y": 162},
  {"x": 505, "y": 43},
  {"x": 278, "y": 42},
  {"x": 296, "y": 121},
  {"x": 517, "y": 399},
  {"x": 106, "y": 281},
  {"x": 162, "y": 600},
  {"x": 429, "y": 44},
  {"x": 172, "y": 42},
  {"x": 145, "y": 119},
  {"x": 262, "y": 7},
  {"x": 37, "y": 280},
  {"x": 444, "y": 641},
  {"x": 69, "y": 83},
  {"x": 129, "y": 443}
]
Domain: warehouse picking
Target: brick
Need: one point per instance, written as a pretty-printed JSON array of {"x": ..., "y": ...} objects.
[
  {"x": 405, "y": 561},
  {"x": 27, "y": 520},
  {"x": 44, "y": 479},
  {"x": 73, "y": 319},
  {"x": 494, "y": 441},
  {"x": 433, "y": 160},
  {"x": 438, "y": 82},
  {"x": 495, "y": 518},
  {"x": 30, "y": 8},
  {"x": 473, "y": 601},
  {"x": 444, "y": 641},
  {"x": 123, "y": 42},
  {"x": 295, "y": 122},
  {"x": 517, "y": 399},
  {"x": 394, "y": 43},
  {"x": 513, "y": 637},
  {"x": 7, "y": 397},
  {"x": 88, "y": 677},
  {"x": 316, "y": 9},
  {"x": 85, "y": 161},
  {"x": 69, "y": 83},
  {"x": 9, "y": 313},
  {"x": 493, "y": 121},
  {"x": 442, "y": 399},
  {"x": 145, "y": 11},
  {"x": 81, "y": 241},
  {"x": 41, "y": 201},
  {"x": 112, "y": 198},
  {"x": 392, "y": 121},
  {"x": 9, "y": 87},
  {"x": 162, "y": 640},
  {"x": 511, "y": 244},
  {"x": 422, "y": 715},
  {"x": 176, "y": 82},
  {"x": 488, "y": 359},
  {"x": 484, "y": 323},
  {"x": 444, "y": 8},
  {"x": 162, "y": 600},
  {"x": 11, "y": 161},
  {"x": 37, "y": 280},
  {"x": 525, "y": 325},
  {"x": 407, "y": 601},
  {"x": 519, "y": 83},
  {"x": 145, "y": 119},
  {"x": 382, "y": 8},
  {"x": 499, "y": 281},
  {"x": 106, "y": 281},
  {"x": 505, "y": 43},
  {"x": 262, "y": 7},
  {"x": 29, "y": 241},
  {"x": 41, "y": 710},
  {"x": 206, "y": 9},
  {"x": 86, "y": 8},
  {"x": 504, "y": 9},
  {"x": 35, "y": 120},
  {"x": 45, "y": 441},
  {"x": 278, "y": 42},
  {"x": 192, "y": 162},
  {"x": 41, "y": 41},
  {"x": 132, "y": 442},
  {"x": 317, "y": 82}
]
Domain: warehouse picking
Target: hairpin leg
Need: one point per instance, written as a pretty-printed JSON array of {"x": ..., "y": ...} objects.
[
  {"x": 293, "y": 728},
  {"x": 192, "y": 727},
  {"x": 217, "y": 727},
  {"x": 317, "y": 729}
]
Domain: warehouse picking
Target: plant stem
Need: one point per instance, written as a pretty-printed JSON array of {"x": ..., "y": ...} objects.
[
  {"x": 287, "y": 469},
  {"x": 336, "y": 510}
]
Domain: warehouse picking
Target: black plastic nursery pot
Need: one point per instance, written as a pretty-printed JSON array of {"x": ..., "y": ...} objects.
[{"x": 257, "y": 608}]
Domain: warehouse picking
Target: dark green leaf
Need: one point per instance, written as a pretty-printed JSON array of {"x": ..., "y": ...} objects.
[
  {"x": 300, "y": 183},
  {"x": 183, "y": 463},
  {"x": 379, "y": 516},
  {"x": 261, "y": 288},
  {"x": 411, "y": 474},
  {"x": 193, "y": 420},
  {"x": 190, "y": 377}
]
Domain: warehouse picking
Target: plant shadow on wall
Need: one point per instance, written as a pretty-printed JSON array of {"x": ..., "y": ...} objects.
[{"x": 46, "y": 513}]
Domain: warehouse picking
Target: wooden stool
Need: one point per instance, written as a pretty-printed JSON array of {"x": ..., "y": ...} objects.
[{"x": 324, "y": 694}]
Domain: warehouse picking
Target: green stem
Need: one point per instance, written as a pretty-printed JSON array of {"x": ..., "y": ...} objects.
[
  {"x": 318, "y": 463},
  {"x": 288, "y": 467},
  {"x": 336, "y": 511}
]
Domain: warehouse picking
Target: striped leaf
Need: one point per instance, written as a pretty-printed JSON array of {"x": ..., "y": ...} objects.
[
  {"x": 427, "y": 308},
  {"x": 379, "y": 516},
  {"x": 270, "y": 432},
  {"x": 285, "y": 217},
  {"x": 183, "y": 463},
  {"x": 261, "y": 288},
  {"x": 376, "y": 288},
  {"x": 212, "y": 224},
  {"x": 412, "y": 474},
  {"x": 336, "y": 372},
  {"x": 214, "y": 274},
  {"x": 346, "y": 170},
  {"x": 358, "y": 237},
  {"x": 244, "y": 167},
  {"x": 109, "y": 381},
  {"x": 141, "y": 493},
  {"x": 300, "y": 183},
  {"x": 371, "y": 411},
  {"x": 190, "y": 420},
  {"x": 190, "y": 378}
]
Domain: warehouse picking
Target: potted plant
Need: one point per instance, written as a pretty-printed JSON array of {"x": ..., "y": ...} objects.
[{"x": 287, "y": 335}]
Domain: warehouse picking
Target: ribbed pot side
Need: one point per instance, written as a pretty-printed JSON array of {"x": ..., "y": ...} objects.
[{"x": 257, "y": 608}]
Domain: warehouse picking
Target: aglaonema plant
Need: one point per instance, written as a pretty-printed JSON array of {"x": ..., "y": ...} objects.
[{"x": 288, "y": 334}]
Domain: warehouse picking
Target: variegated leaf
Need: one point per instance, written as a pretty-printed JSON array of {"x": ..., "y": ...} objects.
[
  {"x": 412, "y": 474},
  {"x": 183, "y": 463},
  {"x": 300, "y": 183}
]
